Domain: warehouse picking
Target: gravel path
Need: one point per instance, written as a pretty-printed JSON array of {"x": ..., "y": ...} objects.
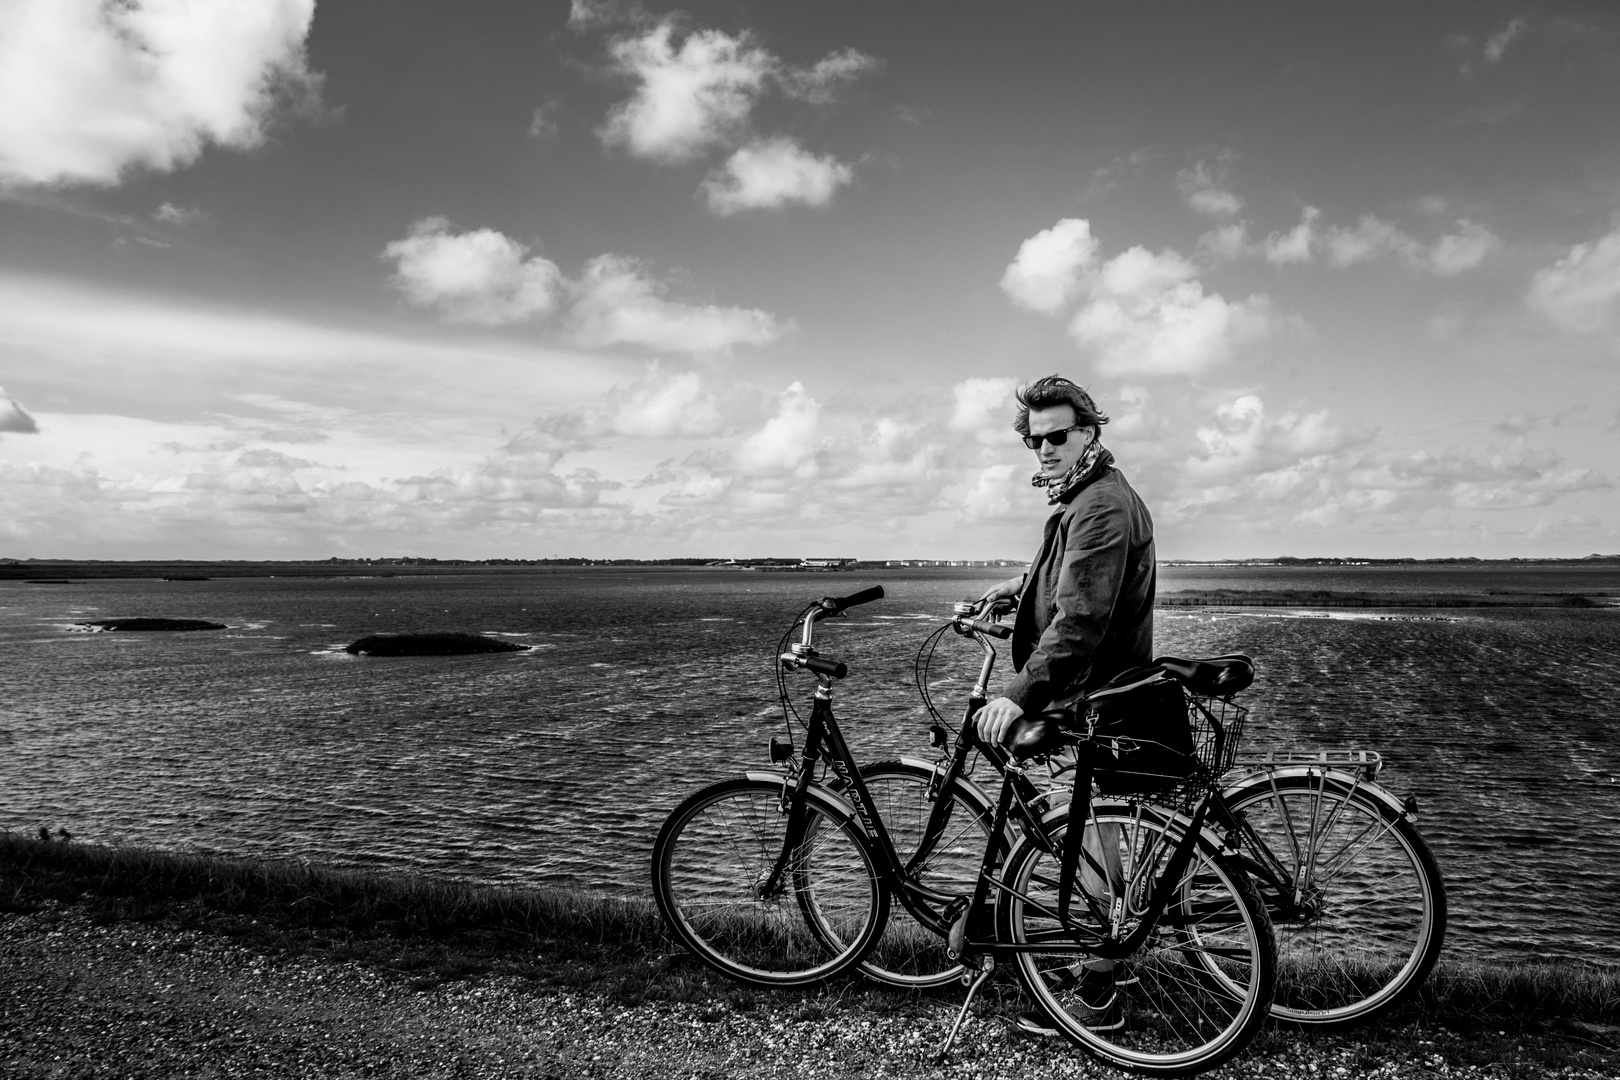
[{"x": 83, "y": 1000}]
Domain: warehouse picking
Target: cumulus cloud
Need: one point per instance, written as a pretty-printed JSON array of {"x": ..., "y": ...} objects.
[
  {"x": 664, "y": 404},
  {"x": 984, "y": 408},
  {"x": 178, "y": 216},
  {"x": 1295, "y": 245},
  {"x": 1369, "y": 238},
  {"x": 1496, "y": 46},
  {"x": 585, "y": 15},
  {"x": 13, "y": 418},
  {"x": 694, "y": 91},
  {"x": 690, "y": 96},
  {"x": 1225, "y": 243},
  {"x": 616, "y": 301},
  {"x": 1241, "y": 438},
  {"x": 1148, "y": 315},
  {"x": 1140, "y": 313},
  {"x": 820, "y": 82},
  {"x": 1204, "y": 193},
  {"x": 480, "y": 276},
  {"x": 604, "y": 476},
  {"x": 483, "y": 276},
  {"x": 772, "y": 173},
  {"x": 264, "y": 458},
  {"x": 789, "y": 442},
  {"x": 1580, "y": 293},
  {"x": 1050, "y": 268},
  {"x": 91, "y": 89},
  {"x": 543, "y": 123},
  {"x": 1250, "y": 470},
  {"x": 1462, "y": 250},
  {"x": 1374, "y": 238}
]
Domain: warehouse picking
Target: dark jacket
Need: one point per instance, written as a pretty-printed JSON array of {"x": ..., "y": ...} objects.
[{"x": 1086, "y": 611}]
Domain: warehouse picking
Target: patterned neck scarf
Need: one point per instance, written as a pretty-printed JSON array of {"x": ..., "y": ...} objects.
[{"x": 1088, "y": 468}]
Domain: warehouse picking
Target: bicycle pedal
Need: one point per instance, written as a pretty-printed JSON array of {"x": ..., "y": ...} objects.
[
  {"x": 956, "y": 942},
  {"x": 956, "y": 912}
]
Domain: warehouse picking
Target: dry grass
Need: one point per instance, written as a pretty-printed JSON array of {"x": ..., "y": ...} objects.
[{"x": 433, "y": 930}]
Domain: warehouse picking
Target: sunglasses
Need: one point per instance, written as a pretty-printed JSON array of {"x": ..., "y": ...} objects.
[{"x": 1056, "y": 438}]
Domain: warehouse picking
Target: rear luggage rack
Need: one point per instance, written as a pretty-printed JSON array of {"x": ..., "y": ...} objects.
[{"x": 1368, "y": 762}]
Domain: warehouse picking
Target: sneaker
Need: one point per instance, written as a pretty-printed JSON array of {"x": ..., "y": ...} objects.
[
  {"x": 1095, "y": 1005},
  {"x": 1091, "y": 981},
  {"x": 1106, "y": 1016}
]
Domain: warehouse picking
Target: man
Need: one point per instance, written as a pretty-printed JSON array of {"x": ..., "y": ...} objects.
[{"x": 1085, "y": 614}]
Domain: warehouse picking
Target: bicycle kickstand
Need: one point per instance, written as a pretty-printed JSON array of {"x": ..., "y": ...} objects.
[{"x": 987, "y": 965}]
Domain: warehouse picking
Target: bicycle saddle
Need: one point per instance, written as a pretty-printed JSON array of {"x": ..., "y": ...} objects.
[
  {"x": 1212, "y": 676},
  {"x": 1032, "y": 736}
]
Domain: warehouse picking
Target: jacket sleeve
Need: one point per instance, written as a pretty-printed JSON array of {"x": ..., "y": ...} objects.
[{"x": 1096, "y": 549}]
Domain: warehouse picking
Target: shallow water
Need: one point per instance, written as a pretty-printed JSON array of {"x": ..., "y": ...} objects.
[{"x": 557, "y": 765}]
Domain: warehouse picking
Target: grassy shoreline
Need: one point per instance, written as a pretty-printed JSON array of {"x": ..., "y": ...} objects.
[
  {"x": 459, "y": 928},
  {"x": 427, "y": 933}
]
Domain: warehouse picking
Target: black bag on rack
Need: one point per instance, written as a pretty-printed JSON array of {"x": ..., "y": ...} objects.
[{"x": 1144, "y": 728}]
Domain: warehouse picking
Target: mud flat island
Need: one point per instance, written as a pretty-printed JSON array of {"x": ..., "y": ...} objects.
[
  {"x": 1302, "y": 598},
  {"x": 134, "y": 962},
  {"x": 431, "y": 645},
  {"x": 146, "y": 625}
]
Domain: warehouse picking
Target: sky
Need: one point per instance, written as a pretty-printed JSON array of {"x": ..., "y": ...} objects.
[{"x": 283, "y": 279}]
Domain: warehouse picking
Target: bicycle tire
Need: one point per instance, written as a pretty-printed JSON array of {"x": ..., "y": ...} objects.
[
  {"x": 1174, "y": 1017},
  {"x": 1375, "y": 900},
  {"x": 908, "y": 955},
  {"x": 721, "y": 844}
]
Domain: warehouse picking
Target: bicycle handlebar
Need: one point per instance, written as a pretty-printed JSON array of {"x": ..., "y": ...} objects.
[
  {"x": 836, "y": 668},
  {"x": 832, "y": 605},
  {"x": 995, "y": 630}
]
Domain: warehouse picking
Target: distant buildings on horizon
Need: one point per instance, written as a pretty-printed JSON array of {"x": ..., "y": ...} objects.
[{"x": 822, "y": 563}]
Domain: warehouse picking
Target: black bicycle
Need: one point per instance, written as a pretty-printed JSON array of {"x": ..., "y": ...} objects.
[
  {"x": 1354, "y": 894},
  {"x": 1140, "y": 939}
]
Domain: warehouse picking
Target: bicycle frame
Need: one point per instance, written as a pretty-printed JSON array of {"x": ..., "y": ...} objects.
[
  {"x": 961, "y": 920},
  {"x": 1255, "y": 855}
]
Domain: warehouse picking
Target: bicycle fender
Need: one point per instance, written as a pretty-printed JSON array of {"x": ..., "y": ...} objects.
[
  {"x": 1180, "y": 821},
  {"x": 817, "y": 791},
  {"x": 1338, "y": 778}
]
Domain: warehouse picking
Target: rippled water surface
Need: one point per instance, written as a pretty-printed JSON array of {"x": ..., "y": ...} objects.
[{"x": 557, "y": 765}]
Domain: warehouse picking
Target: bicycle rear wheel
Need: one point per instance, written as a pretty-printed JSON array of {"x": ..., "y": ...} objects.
[
  {"x": 1195, "y": 992},
  {"x": 1372, "y": 911},
  {"x": 908, "y": 955},
  {"x": 713, "y": 861}
]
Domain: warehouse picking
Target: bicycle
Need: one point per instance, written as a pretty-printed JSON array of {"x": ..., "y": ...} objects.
[
  {"x": 1353, "y": 892},
  {"x": 775, "y": 880}
]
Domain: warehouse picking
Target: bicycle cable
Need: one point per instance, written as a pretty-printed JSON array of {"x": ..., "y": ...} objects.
[
  {"x": 920, "y": 666},
  {"x": 789, "y": 712}
]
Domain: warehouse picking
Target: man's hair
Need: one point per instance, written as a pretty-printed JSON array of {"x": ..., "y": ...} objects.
[{"x": 1052, "y": 391}]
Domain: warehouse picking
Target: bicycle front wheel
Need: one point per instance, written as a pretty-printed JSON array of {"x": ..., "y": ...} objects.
[
  {"x": 1194, "y": 993},
  {"x": 908, "y": 955},
  {"x": 1370, "y": 913},
  {"x": 725, "y": 889}
]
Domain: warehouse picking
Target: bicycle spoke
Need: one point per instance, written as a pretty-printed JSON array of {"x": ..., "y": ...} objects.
[{"x": 1371, "y": 904}]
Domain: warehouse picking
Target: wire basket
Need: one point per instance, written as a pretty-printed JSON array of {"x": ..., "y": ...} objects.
[{"x": 1217, "y": 730}]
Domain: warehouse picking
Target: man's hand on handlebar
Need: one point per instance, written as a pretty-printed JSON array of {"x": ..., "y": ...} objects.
[
  {"x": 1006, "y": 590},
  {"x": 995, "y": 718}
]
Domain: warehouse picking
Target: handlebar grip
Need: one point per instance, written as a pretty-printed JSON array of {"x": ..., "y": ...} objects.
[
  {"x": 832, "y": 605},
  {"x": 995, "y": 630},
  {"x": 836, "y": 668}
]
